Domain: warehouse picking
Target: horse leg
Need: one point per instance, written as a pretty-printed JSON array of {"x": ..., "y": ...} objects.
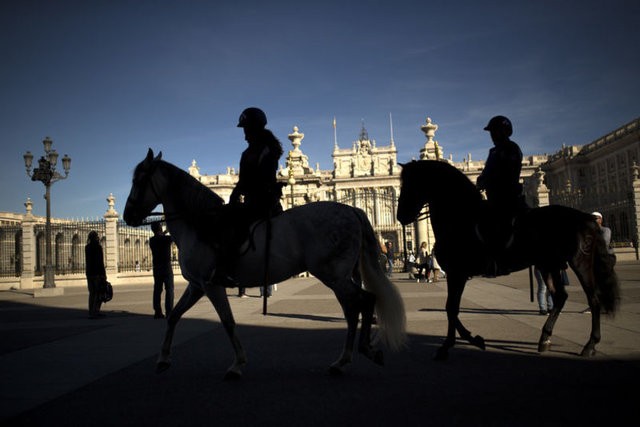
[
  {"x": 594, "y": 305},
  {"x": 349, "y": 301},
  {"x": 559, "y": 296},
  {"x": 455, "y": 287},
  {"x": 218, "y": 297},
  {"x": 590, "y": 347},
  {"x": 190, "y": 296},
  {"x": 465, "y": 334},
  {"x": 364, "y": 344}
]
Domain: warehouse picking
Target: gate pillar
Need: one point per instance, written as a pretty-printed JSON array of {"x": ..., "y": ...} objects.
[
  {"x": 28, "y": 248},
  {"x": 111, "y": 238}
]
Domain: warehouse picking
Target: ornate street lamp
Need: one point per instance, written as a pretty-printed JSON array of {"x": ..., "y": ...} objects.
[{"x": 47, "y": 174}]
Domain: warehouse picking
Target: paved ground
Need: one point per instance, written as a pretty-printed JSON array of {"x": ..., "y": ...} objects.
[{"x": 59, "y": 368}]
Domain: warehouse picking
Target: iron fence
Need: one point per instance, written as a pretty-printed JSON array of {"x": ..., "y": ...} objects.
[
  {"x": 10, "y": 251},
  {"x": 617, "y": 209},
  {"x": 380, "y": 206},
  {"x": 68, "y": 240}
]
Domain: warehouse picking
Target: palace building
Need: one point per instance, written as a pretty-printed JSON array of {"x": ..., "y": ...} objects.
[
  {"x": 603, "y": 175},
  {"x": 365, "y": 175}
]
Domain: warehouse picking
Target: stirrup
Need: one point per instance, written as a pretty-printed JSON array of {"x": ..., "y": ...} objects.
[
  {"x": 491, "y": 269},
  {"x": 494, "y": 269},
  {"x": 224, "y": 280}
]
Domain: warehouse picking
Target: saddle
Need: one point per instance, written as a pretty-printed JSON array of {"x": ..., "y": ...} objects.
[
  {"x": 496, "y": 228},
  {"x": 496, "y": 234},
  {"x": 232, "y": 234},
  {"x": 232, "y": 228},
  {"x": 230, "y": 225}
]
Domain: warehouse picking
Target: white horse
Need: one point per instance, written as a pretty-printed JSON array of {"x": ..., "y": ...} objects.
[{"x": 332, "y": 241}]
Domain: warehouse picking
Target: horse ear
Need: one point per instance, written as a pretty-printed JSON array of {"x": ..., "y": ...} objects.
[
  {"x": 159, "y": 156},
  {"x": 149, "y": 155}
]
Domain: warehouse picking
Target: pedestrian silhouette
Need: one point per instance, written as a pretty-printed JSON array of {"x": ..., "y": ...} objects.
[{"x": 160, "y": 245}]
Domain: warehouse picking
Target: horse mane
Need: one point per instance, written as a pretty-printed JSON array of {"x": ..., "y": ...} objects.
[
  {"x": 192, "y": 191},
  {"x": 442, "y": 182}
]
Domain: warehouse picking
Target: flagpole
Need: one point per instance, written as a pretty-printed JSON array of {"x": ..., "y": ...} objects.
[{"x": 335, "y": 135}]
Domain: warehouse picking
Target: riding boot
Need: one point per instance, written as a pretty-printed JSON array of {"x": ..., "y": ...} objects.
[
  {"x": 224, "y": 280},
  {"x": 220, "y": 276},
  {"x": 224, "y": 242},
  {"x": 497, "y": 263}
]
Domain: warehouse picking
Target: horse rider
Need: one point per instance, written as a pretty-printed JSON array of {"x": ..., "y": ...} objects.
[
  {"x": 258, "y": 167},
  {"x": 257, "y": 193},
  {"x": 500, "y": 179}
]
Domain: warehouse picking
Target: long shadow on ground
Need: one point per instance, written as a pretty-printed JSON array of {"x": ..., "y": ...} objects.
[{"x": 286, "y": 384}]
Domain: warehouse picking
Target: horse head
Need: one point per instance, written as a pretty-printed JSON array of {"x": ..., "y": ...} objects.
[
  {"x": 143, "y": 197},
  {"x": 413, "y": 196},
  {"x": 440, "y": 185}
]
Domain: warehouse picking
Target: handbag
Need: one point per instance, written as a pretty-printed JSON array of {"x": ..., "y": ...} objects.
[{"x": 106, "y": 291}]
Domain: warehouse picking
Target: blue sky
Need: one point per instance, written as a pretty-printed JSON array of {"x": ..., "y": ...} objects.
[{"x": 108, "y": 79}]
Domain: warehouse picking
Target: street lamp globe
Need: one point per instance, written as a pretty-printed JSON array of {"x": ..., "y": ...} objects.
[
  {"x": 47, "y": 142},
  {"x": 28, "y": 161},
  {"x": 66, "y": 164},
  {"x": 53, "y": 158}
]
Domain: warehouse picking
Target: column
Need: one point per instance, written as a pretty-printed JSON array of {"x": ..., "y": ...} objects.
[
  {"x": 377, "y": 194},
  {"x": 422, "y": 232},
  {"x": 28, "y": 248},
  {"x": 430, "y": 151},
  {"x": 111, "y": 239},
  {"x": 635, "y": 230}
]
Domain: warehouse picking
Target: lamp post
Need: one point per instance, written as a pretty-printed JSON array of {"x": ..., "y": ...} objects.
[{"x": 47, "y": 174}]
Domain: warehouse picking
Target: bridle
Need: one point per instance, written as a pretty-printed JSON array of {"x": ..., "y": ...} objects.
[
  {"x": 155, "y": 217},
  {"x": 148, "y": 219}
]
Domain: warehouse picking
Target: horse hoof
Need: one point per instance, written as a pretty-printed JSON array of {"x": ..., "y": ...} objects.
[
  {"x": 336, "y": 371},
  {"x": 162, "y": 366},
  {"x": 544, "y": 346},
  {"x": 378, "y": 358},
  {"x": 478, "y": 341},
  {"x": 232, "y": 375},
  {"x": 441, "y": 355},
  {"x": 588, "y": 352}
]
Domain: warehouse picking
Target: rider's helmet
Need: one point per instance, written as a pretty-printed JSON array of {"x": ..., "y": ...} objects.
[
  {"x": 500, "y": 122},
  {"x": 252, "y": 117}
]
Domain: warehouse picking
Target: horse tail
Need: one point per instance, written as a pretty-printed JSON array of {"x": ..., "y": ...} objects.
[
  {"x": 390, "y": 312},
  {"x": 607, "y": 287}
]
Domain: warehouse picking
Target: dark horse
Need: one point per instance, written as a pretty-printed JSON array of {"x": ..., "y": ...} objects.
[{"x": 549, "y": 238}]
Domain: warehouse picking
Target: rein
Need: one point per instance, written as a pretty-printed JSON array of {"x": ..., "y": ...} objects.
[{"x": 163, "y": 218}]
